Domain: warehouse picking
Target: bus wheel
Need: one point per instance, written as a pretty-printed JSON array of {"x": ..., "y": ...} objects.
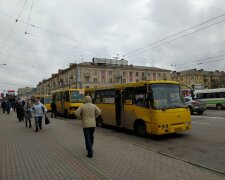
[
  {"x": 140, "y": 129},
  {"x": 219, "y": 107}
]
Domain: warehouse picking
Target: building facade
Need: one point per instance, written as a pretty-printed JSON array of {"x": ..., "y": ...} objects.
[
  {"x": 199, "y": 78},
  {"x": 26, "y": 92},
  {"x": 95, "y": 74}
]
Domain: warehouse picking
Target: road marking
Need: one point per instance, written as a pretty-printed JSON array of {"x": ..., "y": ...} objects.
[
  {"x": 207, "y": 117},
  {"x": 195, "y": 122}
]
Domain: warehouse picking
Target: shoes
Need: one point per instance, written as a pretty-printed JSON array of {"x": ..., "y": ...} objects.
[
  {"x": 36, "y": 129},
  {"x": 40, "y": 127},
  {"x": 90, "y": 156},
  {"x": 30, "y": 126}
]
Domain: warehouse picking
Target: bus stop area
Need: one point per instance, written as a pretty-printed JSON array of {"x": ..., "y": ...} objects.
[{"x": 58, "y": 152}]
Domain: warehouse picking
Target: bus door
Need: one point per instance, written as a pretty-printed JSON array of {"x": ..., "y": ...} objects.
[
  {"x": 129, "y": 108},
  {"x": 119, "y": 107}
]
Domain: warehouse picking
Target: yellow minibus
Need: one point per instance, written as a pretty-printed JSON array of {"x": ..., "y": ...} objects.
[{"x": 147, "y": 107}]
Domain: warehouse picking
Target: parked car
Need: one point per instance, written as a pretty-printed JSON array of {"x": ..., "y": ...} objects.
[{"x": 195, "y": 105}]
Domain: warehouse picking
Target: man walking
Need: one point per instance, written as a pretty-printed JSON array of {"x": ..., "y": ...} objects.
[
  {"x": 88, "y": 112},
  {"x": 39, "y": 111},
  {"x": 53, "y": 109}
]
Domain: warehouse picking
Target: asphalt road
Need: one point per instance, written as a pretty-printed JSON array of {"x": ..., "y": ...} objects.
[{"x": 204, "y": 145}]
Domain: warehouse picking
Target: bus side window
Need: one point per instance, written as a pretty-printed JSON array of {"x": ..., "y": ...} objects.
[
  {"x": 140, "y": 96},
  {"x": 98, "y": 97},
  {"x": 129, "y": 95},
  {"x": 108, "y": 96},
  {"x": 67, "y": 97}
]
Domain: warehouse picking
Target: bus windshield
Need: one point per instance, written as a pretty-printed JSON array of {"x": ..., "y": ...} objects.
[
  {"x": 76, "y": 97},
  {"x": 47, "y": 100},
  {"x": 167, "y": 96}
]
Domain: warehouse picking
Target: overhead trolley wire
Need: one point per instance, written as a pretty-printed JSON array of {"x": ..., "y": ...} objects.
[
  {"x": 179, "y": 37},
  {"x": 11, "y": 30},
  {"x": 129, "y": 54}
]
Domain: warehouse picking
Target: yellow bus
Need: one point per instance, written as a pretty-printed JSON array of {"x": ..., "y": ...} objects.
[
  {"x": 45, "y": 99},
  {"x": 68, "y": 100},
  {"x": 148, "y": 107}
]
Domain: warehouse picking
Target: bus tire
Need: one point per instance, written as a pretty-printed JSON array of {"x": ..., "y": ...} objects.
[
  {"x": 140, "y": 128},
  {"x": 219, "y": 107}
]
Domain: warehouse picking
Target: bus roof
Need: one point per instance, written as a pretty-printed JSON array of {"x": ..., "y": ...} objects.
[
  {"x": 63, "y": 90},
  {"x": 132, "y": 84}
]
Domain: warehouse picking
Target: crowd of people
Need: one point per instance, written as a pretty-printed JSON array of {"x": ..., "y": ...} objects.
[
  {"x": 25, "y": 111},
  {"x": 87, "y": 112}
]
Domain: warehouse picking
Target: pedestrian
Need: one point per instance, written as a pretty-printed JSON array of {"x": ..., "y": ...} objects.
[
  {"x": 3, "y": 105},
  {"x": 27, "y": 113},
  {"x": 7, "y": 106},
  {"x": 88, "y": 113},
  {"x": 39, "y": 110},
  {"x": 20, "y": 112},
  {"x": 53, "y": 109}
]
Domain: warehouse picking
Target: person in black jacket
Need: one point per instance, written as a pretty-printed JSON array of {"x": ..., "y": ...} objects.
[
  {"x": 53, "y": 109},
  {"x": 20, "y": 112}
]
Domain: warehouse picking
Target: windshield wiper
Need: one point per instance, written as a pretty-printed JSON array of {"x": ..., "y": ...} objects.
[{"x": 173, "y": 106}]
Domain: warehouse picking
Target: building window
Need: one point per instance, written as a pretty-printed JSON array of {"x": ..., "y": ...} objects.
[
  {"x": 124, "y": 80},
  {"x": 131, "y": 73},
  {"x": 95, "y": 80},
  {"x": 87, "y": 80},
  {"x": 143, "y": 74},
  {"x": 87, "y": 87},
  {"x": 149, "y": 74},
  {"x": 117, "y": 72},
  {"x": 110, "y": 80},
  {"x": 159, "y": 75},
  {"x": 95, "y": 71},
  {"x": 110, "y": 72},
  {"x": 124, "y": 73},
  {"x": 136, "y": 73},
  {"x": 137, "y": 80}
]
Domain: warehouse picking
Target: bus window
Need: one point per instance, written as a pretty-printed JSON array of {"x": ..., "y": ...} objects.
[
  {"x": 98, "y": 97},
  {"x": 140, "y": 96},
  {"x": 67, "y": 97},
  {"x": 108, "y": 96},
  {"x": 129, "y": 95},
  {"x": 76, "y": 96}
]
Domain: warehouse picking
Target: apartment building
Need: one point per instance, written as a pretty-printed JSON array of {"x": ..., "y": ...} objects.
[
  {"x": 200, "y": 78},
  {"x": 100, "y": 72}
]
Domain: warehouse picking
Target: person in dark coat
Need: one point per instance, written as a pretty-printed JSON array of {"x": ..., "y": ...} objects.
[
  {"x": 3, "y": 106},
  {"x": 20, "y": 112},
  {"x": 53, "y": 109},
  {"x": 7, "y": 106}
]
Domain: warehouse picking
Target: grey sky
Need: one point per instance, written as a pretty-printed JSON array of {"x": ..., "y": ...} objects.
[{"x": 70, "y": 31}]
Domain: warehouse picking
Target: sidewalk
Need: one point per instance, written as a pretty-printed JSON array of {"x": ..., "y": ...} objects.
[{"x": 58, "y": 152}]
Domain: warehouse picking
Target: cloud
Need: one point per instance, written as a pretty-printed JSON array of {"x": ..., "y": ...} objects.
[{"x": 70, "y": 30}]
